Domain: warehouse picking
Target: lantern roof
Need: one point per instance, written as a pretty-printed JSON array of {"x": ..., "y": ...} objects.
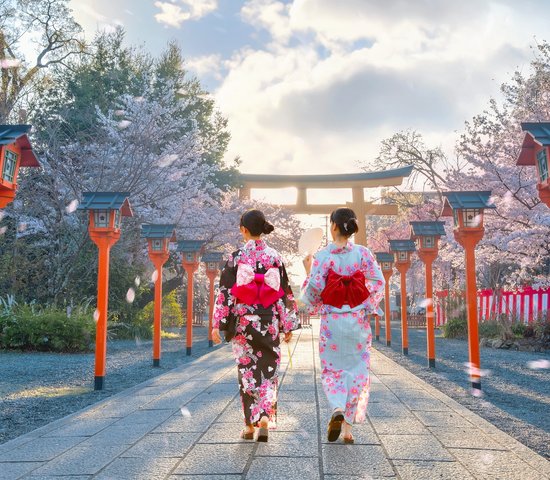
[
  {"x": 17, "y": 134},
  {"x": 402, "y": 246},
  {"x": 384, "y": 257},
  {"x": 190, "y": 245},
  {"x": 427, "y": 229},
  {"x": 535, "y": 133},
  {"x": 107, "y": 201},
  {"x": 464, "y": 200},
  {"x": 212, "y": 257},
  {"x": 157, "y": 230}
]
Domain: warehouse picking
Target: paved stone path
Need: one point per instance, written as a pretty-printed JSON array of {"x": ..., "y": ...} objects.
[{"x": 185, "y": 424}]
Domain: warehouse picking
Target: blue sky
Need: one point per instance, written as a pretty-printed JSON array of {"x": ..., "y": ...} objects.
[{"x": 315, "y": 85}]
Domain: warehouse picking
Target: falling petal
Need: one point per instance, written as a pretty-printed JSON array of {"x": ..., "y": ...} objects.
[
  {"x": 425, "y": 302},
  {"x": 119, "y": 112},
  {"x": 167, "y": 160},
  {"x": 538, "y": 364},
  {"x": 72, "y": 206},
  {"x": 137, "y": 281},
  {"x": 476, "y": 392},
  {"x": 130, "y": 295},
  {"x": 139, "y": 99},
  {"x": 96, "y": 315},
  {"x": 124, "y": 124},
  {"x": 155, "y": 276},
  {"x": 10, "y": 63},
  {"x": 2, "y": 214},
  {"x": 477, "y": 220},
  {"x": 21, "y": 227},
  {"x": 138, "y": 341},
  {"x": 3, "y": 230},
  {"x": 185, "y": 412}
]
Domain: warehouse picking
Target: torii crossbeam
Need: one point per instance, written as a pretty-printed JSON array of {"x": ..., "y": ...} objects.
[{"x": 356, "y": 181}]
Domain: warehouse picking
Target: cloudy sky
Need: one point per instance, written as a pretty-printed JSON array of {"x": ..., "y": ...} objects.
[{"x": 314, "y": 85}]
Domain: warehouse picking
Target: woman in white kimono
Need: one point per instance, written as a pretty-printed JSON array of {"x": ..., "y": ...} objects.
[{"x": 344, "y": 285}]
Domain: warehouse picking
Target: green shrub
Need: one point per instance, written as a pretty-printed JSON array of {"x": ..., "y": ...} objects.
[
  {"x": 542, "y": 326},
  {"x": 172, "y": 315},
  {"x": 27, "y": 327},
  {"x": 519, "y": 329},
  {"x": 456, "y": 328},
  {"x": 490, "y": 329}
]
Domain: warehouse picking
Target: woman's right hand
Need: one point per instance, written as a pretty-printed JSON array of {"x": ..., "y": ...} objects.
[
  {"x": 216, "y": 338},
  {"x": 308, "y": 261}
]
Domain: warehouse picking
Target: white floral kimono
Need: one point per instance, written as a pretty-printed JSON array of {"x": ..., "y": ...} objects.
[{"x": 345, "y": 337}]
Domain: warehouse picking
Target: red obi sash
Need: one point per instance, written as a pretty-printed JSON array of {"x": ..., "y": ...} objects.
[
  {"x": 345, "y": 290},
  {"x": 257, "y": 288}
]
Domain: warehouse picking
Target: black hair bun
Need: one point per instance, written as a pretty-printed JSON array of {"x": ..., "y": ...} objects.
[
  {"x": 351, "y": 226},
  {"x": 268, "y": 228}
]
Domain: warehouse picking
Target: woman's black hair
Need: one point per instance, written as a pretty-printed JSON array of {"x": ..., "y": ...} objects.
[
  {"x": 254, "y": 221},
  {"x": 346, "y": 221}
]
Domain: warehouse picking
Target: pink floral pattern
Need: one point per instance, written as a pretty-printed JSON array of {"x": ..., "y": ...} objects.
[
  {"x": 256, "y": 337},
  {"x": 345, "y": 337}
]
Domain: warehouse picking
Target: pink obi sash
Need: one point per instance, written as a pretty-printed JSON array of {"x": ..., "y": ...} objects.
[{"x": 257, "y": 288}]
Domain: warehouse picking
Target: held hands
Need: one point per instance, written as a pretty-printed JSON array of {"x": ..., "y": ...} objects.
[
  {"x": 216, "y": 336},
  {"x": 288, "y": 337},
  {"x": 308, "y": 261}
]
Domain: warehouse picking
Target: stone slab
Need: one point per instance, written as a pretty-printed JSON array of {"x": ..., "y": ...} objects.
[
  {"x": 361, "y": 460},
  {"x": 220, "y": 459},
  {"x": 280, "y": 468},
  {"x": 414, "y": 447}
]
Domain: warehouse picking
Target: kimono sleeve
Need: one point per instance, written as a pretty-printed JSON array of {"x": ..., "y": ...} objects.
[
  {"x": 374, "y": 280},
  {"x": 288, "y": 313},
  {"x": 314, "y": 285},
  {"x": 224, "y": 300}
]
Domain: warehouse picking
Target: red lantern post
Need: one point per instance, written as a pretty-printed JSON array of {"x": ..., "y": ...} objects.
[
  {"x": 191, "y": 250},
  {"x": 403, "y": 249},
  {"x": 105, "y": 212},
  {"x": 386, "y": 262},
  {"x": 212, "y": 261},
  {"x": 535, "y": 152},
  {"x": 158, "y": 237},
  {"x": 467, "y": 210},
  {"x": 15, "y": 152},
  {"x": 426, "y": 235}
]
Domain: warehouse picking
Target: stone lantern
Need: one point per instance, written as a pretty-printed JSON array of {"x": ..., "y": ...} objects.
[
  {"x": 212, "y": 260},
  {"x": 15, "y": 152},
  {"x": 191, "y": 253},
  {"x": 534, "y": 152},
  {"x": 158, "y": 238},
  {"x": 427, "y": 235},
  {"x": 105, "y": 211},
  {"x": 467, "y": 210},
  {"x": 385, "y": 260},
  {"x": 402, "y": 251}
]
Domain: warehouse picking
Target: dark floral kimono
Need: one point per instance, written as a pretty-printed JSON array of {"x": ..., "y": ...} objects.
[{"x": 256, "y": 302}]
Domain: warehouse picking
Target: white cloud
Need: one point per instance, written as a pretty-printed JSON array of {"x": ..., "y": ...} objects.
[
  {"x": 174, "y": 13},
  {"x": 206, "y": 65},
  {"x": 335, "y": 78}
]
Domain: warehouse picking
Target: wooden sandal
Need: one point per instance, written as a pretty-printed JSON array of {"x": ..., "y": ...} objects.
[
  {"x": 247, "y": 435},
  {"x": 335, "y": 426},
  {"x": 263, "y": 433},
  {"x": 349, "y": 440}
]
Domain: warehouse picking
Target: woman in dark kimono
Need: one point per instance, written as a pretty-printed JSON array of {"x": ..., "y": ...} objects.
[{"x": 254, "y": 305}]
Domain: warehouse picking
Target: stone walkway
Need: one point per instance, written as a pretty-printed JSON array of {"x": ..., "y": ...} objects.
[{"x": 185, "y": 424}]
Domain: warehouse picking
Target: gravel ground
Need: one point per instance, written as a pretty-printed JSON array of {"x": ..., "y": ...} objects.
[
  {"x": 37, "y": 388},
  {"x": 515, "y": 397}
]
